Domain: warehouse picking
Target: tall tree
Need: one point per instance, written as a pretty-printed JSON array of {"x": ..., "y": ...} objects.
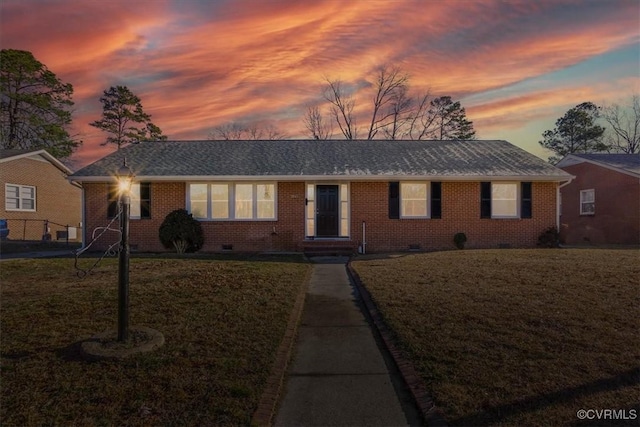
[
  {"x": 575, "y": 132},
  {"x": 35, "y": 106},
  {"x": 124, "y": 119},
  {"x": 624, "y": 132},
  {"x": 449, "y": 120},
  {"x": 248, "y": 131}
]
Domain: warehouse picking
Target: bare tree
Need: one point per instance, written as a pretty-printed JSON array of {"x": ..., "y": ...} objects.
[
  {"x": 342, "y": 105},
  {"x": 395, "y": 113},
  {"x": 246, "y": 131},
  {"x": 390, "y": 91},
  {"x": 316, "y": 126},
  {"x": 402, "y": 109},
  {"x": 420, "y": 123},
  {"x": 624, "y": 122}
]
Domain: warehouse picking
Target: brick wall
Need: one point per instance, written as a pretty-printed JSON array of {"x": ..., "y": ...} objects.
[
  {"x": 617, "y": 215},
  {"x": 369, "y": 203},
  {"x": 460, "y": 213},
  {"x": 57, "y": 200}
]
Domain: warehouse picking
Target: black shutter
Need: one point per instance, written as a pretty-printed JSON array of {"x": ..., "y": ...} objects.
[
  {"x": 525, "y": 200},
  {"x": 145, "y": 200},
  {"x": 485, "y": 200},
  {"x": 112, "y": 200},
  {"x": 394, "y": 200},
  {"x": 436, "y": 200}
]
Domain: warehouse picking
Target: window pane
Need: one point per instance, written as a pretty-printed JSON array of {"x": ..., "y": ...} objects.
[
  {"x": 244, "y": 201},
  {"x": 311, "y": 225},
  {"x": 134, "y": 211},
  {"x": 28, "y": 204},
  {"x": 27, "y": 192},
  {"x": 12, "y": 191},
  {"x": 413, "y": 199},
  {"x": 12, "y": 203},
  {"x": 344, "y": 193},
  {"x": 266, "y": 200},
  {"x": 344, "y": 227},
  {"x": 587, "y": 196},
  {"x": 311, "y": 209},
  {"x": 198, "y": 199},
  {"x": 220, "y": 200},
  {"x": 311, "y": 192},
  {"x": 199, "y": 209},
  {"x": 504, "y": 208},
  {"x": 504, "y": 199}
]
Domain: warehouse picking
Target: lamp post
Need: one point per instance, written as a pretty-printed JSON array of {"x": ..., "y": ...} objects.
[{"x": 124, "y": 177}]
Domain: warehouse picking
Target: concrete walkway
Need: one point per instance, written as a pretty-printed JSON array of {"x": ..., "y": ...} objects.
[{"x": 339, "y": 375}]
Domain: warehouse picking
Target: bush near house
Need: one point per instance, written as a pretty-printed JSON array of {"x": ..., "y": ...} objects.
[
  {"x": 516, "y": 337},
  {"x": 181, "y": 231}
]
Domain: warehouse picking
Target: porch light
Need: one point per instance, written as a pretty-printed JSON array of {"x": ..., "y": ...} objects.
[{"x": 124, "y": 175}]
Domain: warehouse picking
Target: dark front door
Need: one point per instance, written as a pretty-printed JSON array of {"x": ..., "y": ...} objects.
[{"x": 327, "y": 211}]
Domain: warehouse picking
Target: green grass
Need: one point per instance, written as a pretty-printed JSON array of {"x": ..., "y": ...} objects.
[
  {"x": 516, "y": 337},
  {"x": 222, "y": 322}
]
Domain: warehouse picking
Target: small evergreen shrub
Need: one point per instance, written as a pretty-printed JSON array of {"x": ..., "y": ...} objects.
[
  {"x": 181, "y": 231},
  {"x": 549, "y": 238},
  {"x": 460, "y": 239}
]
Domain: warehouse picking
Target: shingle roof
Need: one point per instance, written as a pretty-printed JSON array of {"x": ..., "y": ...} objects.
[
  {"x": 5, "y": 154},
  {"x": 626, "y": 162},
  {"x": 332, "y": 159}
]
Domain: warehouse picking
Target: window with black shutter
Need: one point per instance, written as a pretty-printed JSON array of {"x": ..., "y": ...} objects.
[
  {"x": 485, "y": 200},
  {"x": 525, "y": 200},
  {"x": 394, "y": 200},
  {"x": 436, "y": 200}
]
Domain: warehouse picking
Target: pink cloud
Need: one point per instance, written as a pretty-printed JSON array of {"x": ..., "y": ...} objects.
[{"x": 199, "y": 64}]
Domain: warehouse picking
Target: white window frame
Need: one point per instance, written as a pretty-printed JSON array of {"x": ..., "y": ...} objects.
[
  {"x": 583, "y": 193},
  {"x": 427, "y": 201},
  {"x": 20, "y": 199},
  {"x": 231, "y": 192},
  {"x": 518, "y": 200}
]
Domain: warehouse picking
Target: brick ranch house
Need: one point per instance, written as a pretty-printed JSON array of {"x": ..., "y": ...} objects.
[
  {"x": 602, "y": 204},
  {"x": 35, "y": 189},
  {"x": 297, "y": 195}
]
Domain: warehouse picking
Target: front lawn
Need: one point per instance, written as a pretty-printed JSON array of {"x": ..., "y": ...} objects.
[
  {"x": 516, "y": 337},
  {"x": 222, "y": 322}
]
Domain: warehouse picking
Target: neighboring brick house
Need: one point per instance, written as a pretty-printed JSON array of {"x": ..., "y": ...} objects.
[
  {"x": 602, "y": 204},
  {"x": 299, "y": 195},
  {"x": 35, "y": 190}
]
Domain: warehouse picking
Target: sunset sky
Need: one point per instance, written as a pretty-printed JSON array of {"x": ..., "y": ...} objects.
[{"x": 515, "y": 65}]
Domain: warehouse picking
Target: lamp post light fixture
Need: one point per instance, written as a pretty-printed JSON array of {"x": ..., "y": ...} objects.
[{"x": 124, "y": 175}]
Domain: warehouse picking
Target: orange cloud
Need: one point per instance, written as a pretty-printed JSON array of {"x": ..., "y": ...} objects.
[{"x": 199, "y": 64}]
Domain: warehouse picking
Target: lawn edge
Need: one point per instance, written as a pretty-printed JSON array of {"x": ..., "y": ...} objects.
[
  {"x": 430, "y": 413},
  {"x": 265, "y": 411}
]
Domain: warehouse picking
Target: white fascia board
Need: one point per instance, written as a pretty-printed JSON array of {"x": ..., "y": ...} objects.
[
  {"x": 347, "y": 178},
  {"x": 570, "y": 162},
  {"x": 43, "y": 153}
]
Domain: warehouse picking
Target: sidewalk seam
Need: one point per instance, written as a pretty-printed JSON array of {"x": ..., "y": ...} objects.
[
  {"x": 430, "y": 413},
  {"x": 265, "y": 411}
]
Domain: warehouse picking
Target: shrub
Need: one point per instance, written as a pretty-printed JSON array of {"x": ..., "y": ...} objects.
[
  {"x": 460, "y": 239},
  {"x": 549, "y": 238},
  {"x": 181, "y": 231}
]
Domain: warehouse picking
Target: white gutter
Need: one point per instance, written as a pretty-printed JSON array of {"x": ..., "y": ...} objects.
[
  {"x": 349, "y": 178},
  {"x": 558, "y": 202}
]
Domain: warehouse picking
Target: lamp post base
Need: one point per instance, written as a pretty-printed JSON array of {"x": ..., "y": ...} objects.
[{"x": 106, "y": 346}]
